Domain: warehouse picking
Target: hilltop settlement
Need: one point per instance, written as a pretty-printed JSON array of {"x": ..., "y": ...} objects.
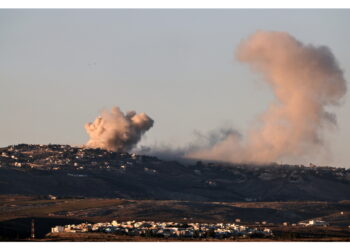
[{"x": 63, "y": 170}]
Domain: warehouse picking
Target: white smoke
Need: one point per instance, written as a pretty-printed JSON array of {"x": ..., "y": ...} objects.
[
  {"x": 305, "y": 79},
  {"x": 115, "y": 131}
]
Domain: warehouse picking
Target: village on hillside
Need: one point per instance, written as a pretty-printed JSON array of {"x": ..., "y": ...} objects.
[{"x": 167, "y": 229}]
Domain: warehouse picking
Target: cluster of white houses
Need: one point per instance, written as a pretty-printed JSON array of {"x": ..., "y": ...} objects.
[
  {"x": 314, "y": 223},
  {"x": 64, "y": 157},
  {"x": 167, "y": 229}
]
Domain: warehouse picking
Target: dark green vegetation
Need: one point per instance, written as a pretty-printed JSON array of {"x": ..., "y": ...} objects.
[{"x": 67, "y": 171}]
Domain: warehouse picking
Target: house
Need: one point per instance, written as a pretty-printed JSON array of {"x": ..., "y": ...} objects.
[
  {"x": 318, "y": 223},
  {"x": 52, "y": 197},
  {"x": 57, "y": 229}
]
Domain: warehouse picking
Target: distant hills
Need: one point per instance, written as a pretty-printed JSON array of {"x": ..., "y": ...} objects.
[{"x": 65, "y": 171}]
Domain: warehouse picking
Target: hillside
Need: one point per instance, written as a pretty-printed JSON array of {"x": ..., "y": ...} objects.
[{"x": 66, "y": 171}]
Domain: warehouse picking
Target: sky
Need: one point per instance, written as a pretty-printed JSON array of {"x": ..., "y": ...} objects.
[{"x": 60, "y": 68}]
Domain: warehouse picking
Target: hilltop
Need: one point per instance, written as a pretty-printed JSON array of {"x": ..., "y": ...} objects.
[{"x": 65, "y": 171}]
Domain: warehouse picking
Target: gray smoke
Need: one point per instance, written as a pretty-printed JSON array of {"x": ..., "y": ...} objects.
[{"x": 201, "y": 141}]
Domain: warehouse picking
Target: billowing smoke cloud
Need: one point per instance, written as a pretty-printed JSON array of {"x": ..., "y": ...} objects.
[
  {"x": 305, "y": 79},
  {"x": 201, "y": 141},
  {"x": 116, "y": 131}
]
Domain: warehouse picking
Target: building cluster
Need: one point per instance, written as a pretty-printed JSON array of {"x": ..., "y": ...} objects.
[
  {"x": 168, "y": 229},
  {"x": 76, "y": 162},
  {"x": 64, "y": 157},
  {"x": 314, "y": 223},
  {"x": 291, "y": 173},
  {"x": 308, "y": 223},
  {"x": 296, "y": 173}
]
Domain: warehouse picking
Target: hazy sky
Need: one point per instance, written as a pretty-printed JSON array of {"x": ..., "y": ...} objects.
[{"x": 60, "y": 68}]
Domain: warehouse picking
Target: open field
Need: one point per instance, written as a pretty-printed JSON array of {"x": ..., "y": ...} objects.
[{"x": 105, "y": 237}]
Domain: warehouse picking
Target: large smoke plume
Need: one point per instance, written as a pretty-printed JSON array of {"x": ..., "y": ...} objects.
[
  {"x": 305, "y": 79},
  {"x": 115, "y": 131}
]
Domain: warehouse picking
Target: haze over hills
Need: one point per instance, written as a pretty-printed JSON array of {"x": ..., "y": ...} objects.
[{"x": 66, "y": 171}]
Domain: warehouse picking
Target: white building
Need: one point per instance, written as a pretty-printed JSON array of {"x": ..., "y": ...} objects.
[
  {"x": 57, "y": 229},
  {"x": 318, "y": 223}
]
